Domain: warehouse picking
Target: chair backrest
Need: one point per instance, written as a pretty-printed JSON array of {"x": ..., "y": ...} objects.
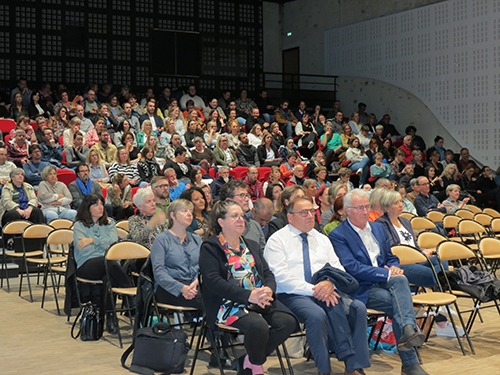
[
  {"x": 435, "y": 216},
  {"x": 127, "y": 250},
  {"x": 61, "y": 223},
  {"x": 451, "y": 250},
  {"x": 123, "y": 224},
  {"x": 451, "y": 221},
  {"x": 474, "y": 209},
  {"x": 408, "y": 215},
  {"x": 430, "y": 240},
  {"x": 470, "y": 227},
  {"x": 66, "y": 176},
  {"x": 491, "y": 212},
  {"x": 16, "y": 227},
  {"x": 495, "y": 225},
  {"x": 421, "y": 224},
  {"x": 37, "y": 231},
  {"x": 62, "y": 236},
  {"x": 490, "y": 246},
  {"x": 465, "y": 214},
  {"x": 408, "y": 254},
  {"x": 483, "y": 219},
  {"x": 122, "y": 233}
]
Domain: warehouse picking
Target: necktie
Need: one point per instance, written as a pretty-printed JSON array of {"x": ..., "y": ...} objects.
[{"x": 305, "y": 257}]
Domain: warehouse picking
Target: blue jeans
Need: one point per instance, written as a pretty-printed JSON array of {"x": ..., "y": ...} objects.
[
  {"x": 394, "y": 298},
  {"x": 61, "y": 213},
  {"x": 421, "y": 274},
  {"x": 287, "y": 129},
  {"x": 363, "y": 164}
]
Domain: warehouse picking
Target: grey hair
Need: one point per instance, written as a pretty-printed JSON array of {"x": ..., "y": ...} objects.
[
  {"x": 16, "y": 171},
  {"x": 388, "y": 198},
  {"x": 379, "y": 127},
  {"x": 47, "y": 170},
  {"x": 452, "y": 187},
  {"x": 141, "y": 194},
  {"x": 308, "y": 182},
  {"x": 221, "y": 168},
  {"x": 360, "y": 193}
]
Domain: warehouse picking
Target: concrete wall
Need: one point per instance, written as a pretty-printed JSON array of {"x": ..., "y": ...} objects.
[{"x": 307, "y": 20}]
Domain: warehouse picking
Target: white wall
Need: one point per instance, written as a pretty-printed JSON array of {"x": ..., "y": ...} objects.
[
  {"x": 404, "y": 107},
  {"x": 446, "y": 54}
]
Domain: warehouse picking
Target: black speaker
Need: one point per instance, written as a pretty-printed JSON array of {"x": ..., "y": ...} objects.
[{"x": 175, "y": 53}]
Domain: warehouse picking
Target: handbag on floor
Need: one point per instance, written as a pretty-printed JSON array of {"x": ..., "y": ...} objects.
[
  {"x": 159, "y": 348},
  {"x": 91, "y": 323}
]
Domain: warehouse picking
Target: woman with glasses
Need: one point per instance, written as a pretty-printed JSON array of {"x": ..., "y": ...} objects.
[{"x": 239, "y": 289}]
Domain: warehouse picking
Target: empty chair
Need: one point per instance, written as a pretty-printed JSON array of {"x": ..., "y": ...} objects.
[
  {"x": 495, "y": 227},
  {"x": 490, "y": 251},
  {"x": 491, "y": 212},
  {"x": 408, "y": 215},
  {"x": 471, "y": 232},
  {"x": 435, "y": 216},
  {"x": 450, "y": 225},
  {"x": 123, "y": 224},
  {"x": 61, "y": 224},
  {"x": 420, "y": 224},
  {"x": 465, "y": 214},
  {"x": 38, "y": 257},
  {"x": 58, "y": 244},
  {"x": 474, "y": 209},
  {"x": 484, "y": 220},
  {"x": 432, "y": 301},
  {"x": 120, "y": 251},
  {"x": 457, "y": 252},
  {"x": 12, "y": 231},
  {"x": 430, "y": 240}
]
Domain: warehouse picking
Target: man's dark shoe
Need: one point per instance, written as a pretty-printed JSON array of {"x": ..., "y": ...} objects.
[
  {"x": 414, "y": 369},
  {"x": 410, "y": 338}
]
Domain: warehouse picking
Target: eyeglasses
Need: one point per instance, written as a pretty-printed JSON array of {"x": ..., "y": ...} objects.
[
  {"x": 161, "y": 186},
  {"x": 235, "y": 217},
  {"x": 424, "y": 184},
  {"x": 305, "y": 213},
  {"x": 366, "y": 207},
  {"x": 242, "y": 196}
]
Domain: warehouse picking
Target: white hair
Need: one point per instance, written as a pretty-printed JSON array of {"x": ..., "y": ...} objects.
[
  {"x": 360, "y": 193},
  {"x": 141, "y": 194}
]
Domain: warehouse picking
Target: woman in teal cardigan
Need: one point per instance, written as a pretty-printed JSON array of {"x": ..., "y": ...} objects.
[{"x": 94, "y": 233}]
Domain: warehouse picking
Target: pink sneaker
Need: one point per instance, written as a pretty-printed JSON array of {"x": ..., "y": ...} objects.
[{"x": 256, "y": 369}]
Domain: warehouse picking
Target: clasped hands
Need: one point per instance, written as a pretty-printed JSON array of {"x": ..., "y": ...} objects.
[
  {"x": 262, "y": 296},
  {"x": 325, "y": 292},
  {"x": 190, "y": 291},
  {"x": 394, "y": 271}
]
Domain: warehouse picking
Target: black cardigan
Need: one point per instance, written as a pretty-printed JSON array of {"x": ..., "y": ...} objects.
[
  {"x": 262, "y": 153},
  {"x": 215, "y": 286}
]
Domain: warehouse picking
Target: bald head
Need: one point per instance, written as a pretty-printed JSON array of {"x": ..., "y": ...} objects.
[{"x": 262, "y": 211}]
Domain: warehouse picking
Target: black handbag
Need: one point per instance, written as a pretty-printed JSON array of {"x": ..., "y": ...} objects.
[
  {"x": 159, "y": 348},
  {"x": 91, "y": 323}
]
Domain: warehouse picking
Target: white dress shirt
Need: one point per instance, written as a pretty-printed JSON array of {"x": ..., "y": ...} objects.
[
  {"x": 369, "y": 241},
  {"x": 283, "y": 253}
]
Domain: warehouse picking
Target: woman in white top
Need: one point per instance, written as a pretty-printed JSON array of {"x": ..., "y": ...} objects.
[{"x": 255, "y": 135}]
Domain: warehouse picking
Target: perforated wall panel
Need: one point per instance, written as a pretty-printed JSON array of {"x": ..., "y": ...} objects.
[
  {"x": 446, "y": 54},
  {"x": 82, "y": 41}
]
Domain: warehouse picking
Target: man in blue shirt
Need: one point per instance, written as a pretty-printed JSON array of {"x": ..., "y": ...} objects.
[{"x": 35, "y": 166}]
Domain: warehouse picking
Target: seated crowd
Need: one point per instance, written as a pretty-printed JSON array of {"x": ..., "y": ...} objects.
[{"x": 266, "y": 203}]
